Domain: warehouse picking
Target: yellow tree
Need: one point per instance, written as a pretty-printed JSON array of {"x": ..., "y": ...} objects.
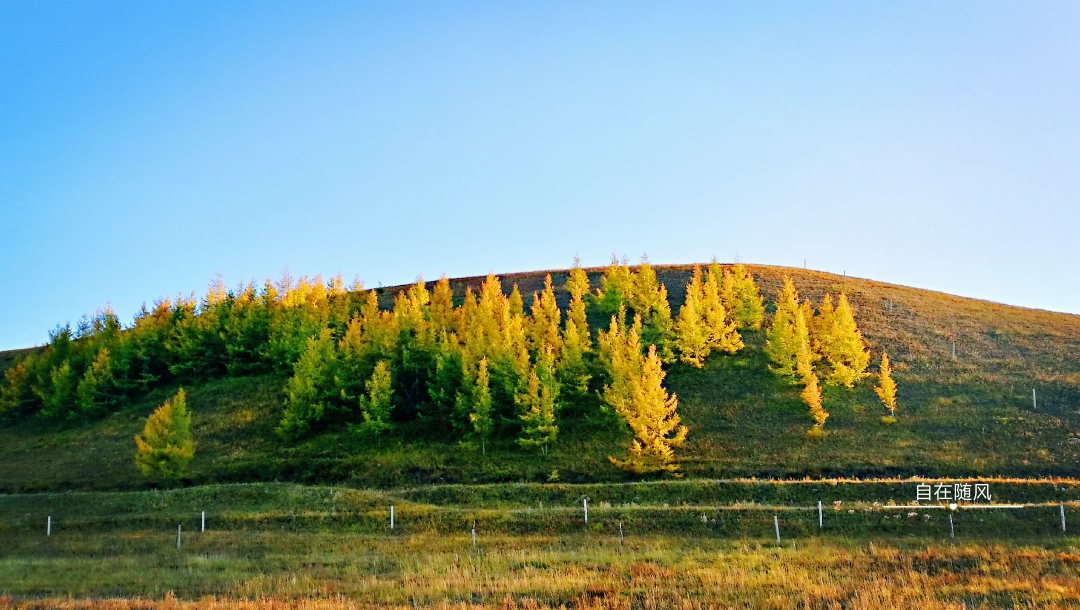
[
  {"x": 539, "y": 403},
  {"x": 781, "y": 340},
  {"x": 616, "y": 286},
  {"x": 749, "y": 306},
  {"x": 691, "y": 335},
  {"x": 844, "y": 348},
  {"x": 652, "y": 415},
  {"x": 886, "y": 387},
  {"x": 442, "y": 308},
  {"x": 165, "y": 447},
  {"x": 811, "y": 395},
  {"x": 620, "y": 352},
  {"x": 576, "y": 340},
  {"x": 723, "y": 334},
  {"x": 543, "y": 325}
]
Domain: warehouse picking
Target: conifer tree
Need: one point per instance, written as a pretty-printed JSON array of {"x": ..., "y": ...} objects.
[
  {"x": 481, "y": 405},
  {"x": 811, "y": 395},
  {"x": 91, "y": 393},
  {"x": 307, "y": 391},
  {"x": 57, "y": 397},
  {"x": 616, "y": 287},
  {"x": 620, "y": 352},
  {"x": 517, "y": 305},
  {"x": 723, "y": 335},
  {"x": 539, "y": 402},
  {"x": 749, "y": 305},
  {"x": 844, "y": 348},
  {"x": 165, "y": 447},
  {"x": 652, "y": 415},
  {"x": 782, "y": 342},
  {"x": 442, "y": 307},
  {"x": 545, "y": 319},
  {"x": 821, "y": 326},
  {"x": 692, "y": 336},
  {"x": 375, "y": 406},
  {"x": 576, "y": 340},
  {"x": 886, "y": 387}
]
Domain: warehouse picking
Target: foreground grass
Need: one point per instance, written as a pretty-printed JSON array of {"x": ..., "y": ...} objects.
[
  {"x": 686, "y": 544},
  {"x": 349, "y": 570}
]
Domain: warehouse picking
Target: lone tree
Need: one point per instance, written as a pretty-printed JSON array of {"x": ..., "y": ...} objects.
[
  {"x": 886, "y": 388},
  {"x": 653, "y": 416},
  {"x": 165, "y": 447}
]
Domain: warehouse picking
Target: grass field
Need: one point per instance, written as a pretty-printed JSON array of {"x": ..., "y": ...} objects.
[{"x": 708, "y": 542}]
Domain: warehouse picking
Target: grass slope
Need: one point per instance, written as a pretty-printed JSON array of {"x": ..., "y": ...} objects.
[{"x": 971, "y": 415}]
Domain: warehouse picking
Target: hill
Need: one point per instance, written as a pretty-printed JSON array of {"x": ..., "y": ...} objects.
[{"x": 968, "y": 415}]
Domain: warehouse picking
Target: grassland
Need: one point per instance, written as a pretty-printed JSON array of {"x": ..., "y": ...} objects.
[
  {"x": 972, "y": 416},
  {"x": 288, "y": 545}
]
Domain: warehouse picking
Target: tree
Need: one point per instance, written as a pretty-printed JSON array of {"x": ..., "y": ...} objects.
[
  {"x": 375, "y": 406},
  {"x": 480, "y": 405},
  {"x": 811, "y": 395},
  {"x": 57, "y": 397},
  {"x": 844, "y": 348},
  {"x": 576, "y": 341},
  {"x": 691, "y": 334},
  {"x": 544, "y": 321},
  {"x": 307, "y": 391},
  {"x": 886, "y": 387},
  {"x": 782, "y": 341},
  {"x": 649, "y": 300},
  {"x": 539, "y": 429},
  {"x": 749, "y": 308},
  {"x": 91, "y": 394},
  {"x": 652, "y": 415},
  {"x": 616, "y": 286},
  {"x": 165, "y": 447},
  {"x": 620, "y": 352},
  {"x": 723, "y": 335}
]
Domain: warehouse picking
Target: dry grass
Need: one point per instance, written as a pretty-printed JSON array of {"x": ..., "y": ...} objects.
[{"x": 589, "y": 573}]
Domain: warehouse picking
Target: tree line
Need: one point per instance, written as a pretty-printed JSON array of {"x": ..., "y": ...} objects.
[{"x": 481, "y": 369}]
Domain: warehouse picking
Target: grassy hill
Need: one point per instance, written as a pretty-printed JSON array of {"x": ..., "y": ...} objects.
[{"x": 972, "y": 415}]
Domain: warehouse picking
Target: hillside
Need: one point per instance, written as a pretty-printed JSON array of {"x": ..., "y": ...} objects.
[{"x": 972, "y": 415}]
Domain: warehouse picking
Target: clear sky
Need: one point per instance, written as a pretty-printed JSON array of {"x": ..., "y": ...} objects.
[{"x": 147, "y": 146}]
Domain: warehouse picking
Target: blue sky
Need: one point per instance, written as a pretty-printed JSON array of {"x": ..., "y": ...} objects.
[{"x": 146, "y": 147}]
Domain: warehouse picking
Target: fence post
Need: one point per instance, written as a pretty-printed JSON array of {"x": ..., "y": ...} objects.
[
  {"x": 952, "y": 531},
  {"x": 776, "y": 524},
  {"x": 585, "y": 503},
  {"x": 474, "y": 533},
  {"x": 178, "y": 526},
  {"x": 1062, "y": 507},
  {"x": 203, "y": 527},
  {"x": 1034, "y": 402},
  {"x": 391, "y": 516},
  {"x": 620, "y": 533},
  {"x": 819, "y": 519}
]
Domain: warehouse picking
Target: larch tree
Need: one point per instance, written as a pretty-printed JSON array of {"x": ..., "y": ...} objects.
[
  {"x": 576, "y": 341},
  {"x": 480, "y": 406},
  {"x": 165, "y": 447},
  {"x": 539, "y": 403},
  {"x": 811, "y": 395},
  {"x": 620, "y": 353},
  {"x": 723, "y": 333},
  {"x": 691, "y": 334},
  {"x": 652, "y": 415},
  {"x": 749, "y": 305},
  {"x": 376, "y": 404},
  {"x": 544, "y": 320},
  {"x": 91, "y": 395},
  {"x": 821, "y": 327},
  {"x": 616, "y": 286},
  {"x": 307, "y": 390},
  {"x": 442, "y": 307},
  {"x": 886, "y": 387},
  {"x": 844, "y": 348},
  {"x": 781, "y": 339}
]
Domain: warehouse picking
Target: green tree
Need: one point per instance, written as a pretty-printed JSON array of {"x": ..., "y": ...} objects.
[
  {"x": 309, "y": 389},
  {"x": 652, "y": 415},
  {"x": 375, "y": 406},
  {"x": 480, "y": 405},
  {"x": 91, "y": 395},
  {"x": 782, "y": 342},
  {"x": 539, "y": 402},
  {"x": 844, "y": 348},
  {"x": 58, "y": 397},
  {"x": 165, "y": 447}
]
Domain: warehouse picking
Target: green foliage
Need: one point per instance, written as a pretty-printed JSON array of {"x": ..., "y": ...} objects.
[
  {"x": 652, "y": 415},
  {"x": 375, "y": 406},
  {"x": 92, "y": 393},
  {"x": 165, "y": 447},
  {"x": 308, "y": 390}
]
